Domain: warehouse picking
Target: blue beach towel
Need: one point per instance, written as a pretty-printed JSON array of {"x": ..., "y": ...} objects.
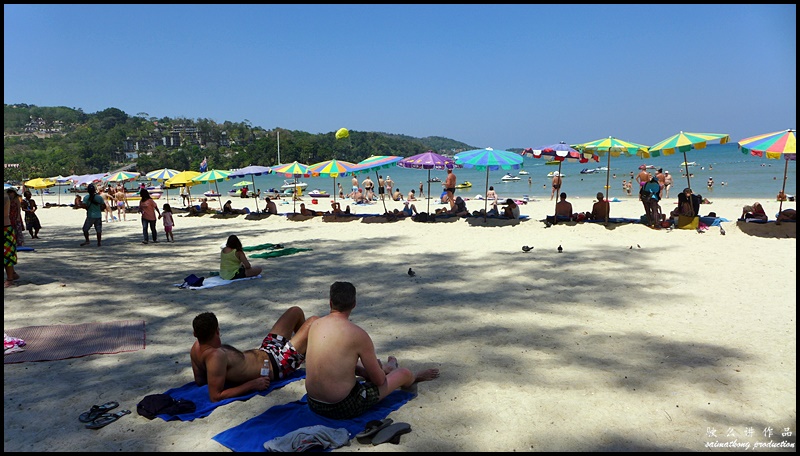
[
  {"x": 283, "y": 419},
  {"x": 615, "y": 220},
  {"x": 204, "y": 406},
  {"x": 713, "y": 221}
]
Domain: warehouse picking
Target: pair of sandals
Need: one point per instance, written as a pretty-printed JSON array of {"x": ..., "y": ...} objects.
[
  {"x": 377, "y": 432},
  {"x": 99, "y": 417}
]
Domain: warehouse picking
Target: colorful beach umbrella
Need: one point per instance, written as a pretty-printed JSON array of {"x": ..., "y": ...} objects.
[
  {"x": 611, "y": 146},
  {"x": 252, "y": 171},
  {"x": 121, "y": 176},
  {"x": 213, "y": 175},
  {"x": 374, "y": 163},
  {"x": 428, "y": 160},
  {"x": 296, "y": 170},
  {"x": 162, "y": 174},
  {"x": 560, "y": 152},
  {"x": 488, "y": 159},
  {"x": 777, "y": 145},
  {"x": 40, "y": 183},
  {"x": 332, "y": 168},
  {"x": 684, "y": 142},
  {"x": 86, "y": 179}
]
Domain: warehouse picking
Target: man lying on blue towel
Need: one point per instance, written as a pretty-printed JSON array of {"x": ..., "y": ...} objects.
[{"x": 230, "y": 372}]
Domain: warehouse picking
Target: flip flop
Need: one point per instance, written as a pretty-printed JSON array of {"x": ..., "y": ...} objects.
[
  {"x": 372, "y": 428},
  {"x": 96, "y": 411},
  {"x": 391, "y": 434},
  {"x": 107, "y": 418}
]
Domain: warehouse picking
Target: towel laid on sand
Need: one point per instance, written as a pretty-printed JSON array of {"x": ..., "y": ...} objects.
[
  {"x": 203, "y": 404},
  {"x": 275, "y": 250},
  {"x": 217, "y": 281},
  {"x": 52, "y": 342},
  {"x": 282, "y": 419}
]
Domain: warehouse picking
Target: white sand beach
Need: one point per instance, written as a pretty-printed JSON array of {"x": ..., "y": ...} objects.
[{"x": 632, "y": 339}]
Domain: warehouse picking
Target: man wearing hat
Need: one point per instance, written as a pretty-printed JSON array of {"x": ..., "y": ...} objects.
[{"x": 94, "y": 205}]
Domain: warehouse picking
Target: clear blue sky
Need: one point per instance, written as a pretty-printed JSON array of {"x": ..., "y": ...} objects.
[{"x": 501, "y": 76}]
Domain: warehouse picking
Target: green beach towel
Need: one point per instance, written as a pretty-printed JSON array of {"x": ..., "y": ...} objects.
[{"x": 277, "y": 253}]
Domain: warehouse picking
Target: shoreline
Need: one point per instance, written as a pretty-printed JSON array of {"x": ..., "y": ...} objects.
[{"x": 631, "y": 339}]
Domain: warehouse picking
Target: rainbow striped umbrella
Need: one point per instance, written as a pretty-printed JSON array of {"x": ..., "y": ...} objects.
[
  {"x": 294, "y": 169},
  {"x": 777, "y": 145},
  {"x": 489, "y": 159},
  {"x": 684, "y": 142},
  {"x": 332, "y": 168}
]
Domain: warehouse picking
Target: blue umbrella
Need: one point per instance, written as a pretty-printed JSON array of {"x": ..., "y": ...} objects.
[
  {"x": 488, "y": 159},
  {"x": 252, "y": 170}
]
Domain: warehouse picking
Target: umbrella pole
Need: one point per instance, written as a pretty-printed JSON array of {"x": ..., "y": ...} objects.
[
  {"x": 686, "y": 167},
  {"x": 608, "y": 172},
  {"x": 555, "y": 211},
  {"x": 486, "y": 200},
  {"x": 783, "y": 190},
  {"x": 429, "y": 191},
  {"x": 294, "y": 197},
  {"x": 219, "y": 197},
  {"x": 334, "y": 189},
  {"x": 253, "y": 178}
]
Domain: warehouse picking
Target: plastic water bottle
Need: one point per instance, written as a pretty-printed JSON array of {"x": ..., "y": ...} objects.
[{"x": 265, "y": 369}]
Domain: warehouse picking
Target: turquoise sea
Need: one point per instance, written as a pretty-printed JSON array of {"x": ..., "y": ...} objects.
[{"x": 744, "y": 176}]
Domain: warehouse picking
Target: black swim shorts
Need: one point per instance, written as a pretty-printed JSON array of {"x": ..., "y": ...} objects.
[{"x": 360, "y": 399}]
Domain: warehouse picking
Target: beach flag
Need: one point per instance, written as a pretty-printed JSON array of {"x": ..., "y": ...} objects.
[{"x": 204, "y": 165}]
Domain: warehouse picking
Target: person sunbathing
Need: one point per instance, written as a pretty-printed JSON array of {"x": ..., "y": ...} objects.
[
  {"x": 756, "y": 211},
  {"x": 228, "y": 209},
  {"x": 787, "y": 215},
  {"x": 229, "y": 372},
  {"x": 336, "y": 209},
  {"x": 306, "y": 211}
]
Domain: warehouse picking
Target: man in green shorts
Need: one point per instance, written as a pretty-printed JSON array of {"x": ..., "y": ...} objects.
[{"x": 338, "y": 351}]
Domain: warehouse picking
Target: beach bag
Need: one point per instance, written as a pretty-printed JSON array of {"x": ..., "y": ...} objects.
[
  {"x": 153, "y": 405},
  {"x": 192, "y": 281},
  {"x": 688, "y": 223}
]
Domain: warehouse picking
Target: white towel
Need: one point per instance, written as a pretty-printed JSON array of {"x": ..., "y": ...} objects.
[{"x": 217, "y": 281}]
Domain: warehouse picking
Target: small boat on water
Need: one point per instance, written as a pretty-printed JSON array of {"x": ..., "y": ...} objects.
[
  {"x": 211, "y": 194},
  {"x": 465, "y": 184},
  {"x": 522, "y": 172},
  {"x": 552, "y": 162},
  {"x": 434, "y": 179},
  {"x": 317, "y": 193},
  {"x": 594, "y": 170},
  {"x": 689, "y": 164},
  {"x": 290, "y": 183},
  {"x": 554, "y": 173},
  {"x": 508, "y": 178}
]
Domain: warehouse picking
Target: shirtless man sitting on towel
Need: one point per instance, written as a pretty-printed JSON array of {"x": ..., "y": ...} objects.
[
  {"x": 338, "y": 351},
  {"x": 216, "y": 364}
]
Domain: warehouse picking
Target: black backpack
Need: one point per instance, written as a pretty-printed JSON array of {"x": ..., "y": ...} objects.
[{"x": 157, "y": 404}]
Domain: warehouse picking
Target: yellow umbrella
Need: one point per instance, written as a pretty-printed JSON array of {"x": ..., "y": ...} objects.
[
  {"x": 183, "y": 179},
  {"x": 40, "y": 183}
]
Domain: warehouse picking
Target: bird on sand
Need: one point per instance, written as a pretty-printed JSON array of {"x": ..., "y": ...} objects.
[
  {"x": 411, "y": 273},
  {"x": 525, "y": 248},
  {"x": 560, "y": 249}
]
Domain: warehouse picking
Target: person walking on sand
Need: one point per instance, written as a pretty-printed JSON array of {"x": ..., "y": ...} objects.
[
  {"x": 148, "y": 209},
  {"x": 354, "y": 189},
  {"x": 667, "y": 184},
  {"x": 421, "y": 195},
  {"x": 31, "y": 219},
  {"x": 9, "y": 241},
  {"x": 389, "y": 185},
  {"x": 169, "y": 222},
  {"x": 94, "y": 205},
  {"x": 229, "y": 372},
  {"x": 339, "y": 350},
  {"x": 450, "y": 188},
  {"x": 381, "y": 188}
]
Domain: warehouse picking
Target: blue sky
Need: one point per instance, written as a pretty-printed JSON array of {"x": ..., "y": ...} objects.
[{"x": 501, "y": 76}]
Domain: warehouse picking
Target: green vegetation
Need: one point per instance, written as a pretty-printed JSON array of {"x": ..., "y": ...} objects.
[{"x": 50, "y": 141}]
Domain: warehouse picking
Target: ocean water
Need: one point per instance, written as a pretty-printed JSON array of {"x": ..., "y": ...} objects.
[{"x": 744, "y": 176}]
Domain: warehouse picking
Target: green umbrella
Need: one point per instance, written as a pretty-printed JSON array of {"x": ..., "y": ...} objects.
[
  {"x": 683, "y": 142},
  {"x": 213, "y": 175}
]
